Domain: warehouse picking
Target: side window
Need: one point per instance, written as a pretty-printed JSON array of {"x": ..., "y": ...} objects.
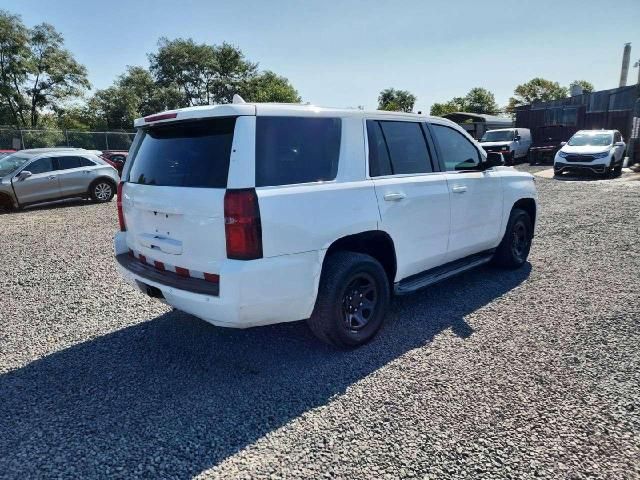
[
  {"x": 85, "y": 162},
  {"x": 65, "y": 163},
  {"x": 397, "y": 148},
  {"x": 292, "y": 150},
  {"x": 42, "y": 165},
  {"x": 379, "y": 163},
  {"x": 457, "y": 152}
]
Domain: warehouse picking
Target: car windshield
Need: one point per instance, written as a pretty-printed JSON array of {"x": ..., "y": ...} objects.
[
  {"x": 591, "y": 139},
  {"x": 497, "y": 136},
  {"x": 10, "y": 163}
]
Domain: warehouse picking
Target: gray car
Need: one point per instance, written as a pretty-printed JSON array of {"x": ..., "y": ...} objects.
[{"x": 45, "y": 174}]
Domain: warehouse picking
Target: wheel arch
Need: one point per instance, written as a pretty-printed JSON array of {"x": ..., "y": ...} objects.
[
  {"x": 376, "y": 243},
  {"x": 103, "y": 178},
  {"x": 528, "y": 205}
]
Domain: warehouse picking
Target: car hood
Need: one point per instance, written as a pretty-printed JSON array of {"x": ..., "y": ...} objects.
[
  {"x": 495, "y": 144},
  {"x": 586, "y": 149}
]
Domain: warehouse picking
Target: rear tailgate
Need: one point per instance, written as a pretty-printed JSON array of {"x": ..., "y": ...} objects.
[{"x": 173, "y": 198}]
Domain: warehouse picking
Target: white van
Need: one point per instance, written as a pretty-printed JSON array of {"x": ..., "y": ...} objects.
[{"x": 513, "y": 143}]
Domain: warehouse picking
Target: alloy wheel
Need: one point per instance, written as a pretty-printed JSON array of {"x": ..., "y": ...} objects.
[
  {"x": 103, "y": 191},
  {"x": 359, "y": 302}
]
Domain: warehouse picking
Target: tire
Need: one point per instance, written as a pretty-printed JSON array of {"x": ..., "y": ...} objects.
[
  {"x": 510, "y": 160},
  {"x": 6, "y": 205},
  {"x": 617, "y": 171},
  {"x": 102, "y": 191},
  {"x": 515, "y": 245},
  {"x": 349, "y": 279},
  {"x": 532, "y": 159}
]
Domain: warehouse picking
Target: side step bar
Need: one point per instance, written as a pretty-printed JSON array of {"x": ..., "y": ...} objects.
[{"x": 434, "y": 275}]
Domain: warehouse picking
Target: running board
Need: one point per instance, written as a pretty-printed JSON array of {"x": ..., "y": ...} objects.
[{"x": 434, "y": 275}]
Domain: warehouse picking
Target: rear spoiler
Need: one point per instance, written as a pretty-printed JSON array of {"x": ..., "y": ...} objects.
[{"x": 205, "y": 111}]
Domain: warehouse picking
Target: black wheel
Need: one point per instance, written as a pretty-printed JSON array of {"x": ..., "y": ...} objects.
[
  {"x": 102, "y": 191},
  {"x": 532, "y": 159},
  {"x": 352, "y": 302},
  {"x": 617, "y": 171},
  {"x": 516, "y": 243},
  {"x": 511, "y": 159}
]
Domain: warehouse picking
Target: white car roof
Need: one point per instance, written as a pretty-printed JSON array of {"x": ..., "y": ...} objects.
[
  {"x": 275, "y": 109},
  {"x": 593, "y": 132}
]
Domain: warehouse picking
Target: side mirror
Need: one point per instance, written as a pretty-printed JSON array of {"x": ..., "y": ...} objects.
[
  {"x": 516, "y": 138},
  {"x": 23, "y": 175},
  {"x": 494, "y": 159},
  {"x": 562, "y": 144}
]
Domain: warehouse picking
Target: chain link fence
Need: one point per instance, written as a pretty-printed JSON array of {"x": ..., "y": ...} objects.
[{"x": 11, "y": 138}]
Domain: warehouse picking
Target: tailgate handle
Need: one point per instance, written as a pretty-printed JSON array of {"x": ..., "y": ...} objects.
[{"x": 164, "y": 244}]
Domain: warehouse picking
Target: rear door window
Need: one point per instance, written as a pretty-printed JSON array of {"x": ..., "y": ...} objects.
[
  {"x": 397, "y": 148},
  {"x": 65, "y": 163},
  {"x": 292, "y": 150},
  {"x": 188, "y": 154}
]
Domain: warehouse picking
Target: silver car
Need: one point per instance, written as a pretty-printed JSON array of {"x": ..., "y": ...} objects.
[{"x": 45, "y": 174}]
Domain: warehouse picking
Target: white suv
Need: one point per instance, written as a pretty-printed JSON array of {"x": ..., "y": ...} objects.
[
  {"x": 252, "y": 214},
  {"x": 595, "y": 151}
]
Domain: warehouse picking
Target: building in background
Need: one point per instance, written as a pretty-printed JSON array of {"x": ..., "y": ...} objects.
[{"x": 617, "y": 108}]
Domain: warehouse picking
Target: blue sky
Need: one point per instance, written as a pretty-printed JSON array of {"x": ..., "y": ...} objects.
[{"x": 342, "y": 53}]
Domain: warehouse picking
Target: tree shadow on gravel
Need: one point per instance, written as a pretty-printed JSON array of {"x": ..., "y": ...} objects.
[{"x": 173, "y": 396}]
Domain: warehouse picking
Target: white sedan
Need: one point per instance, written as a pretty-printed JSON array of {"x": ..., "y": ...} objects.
[{"x": 596, "y": 151}]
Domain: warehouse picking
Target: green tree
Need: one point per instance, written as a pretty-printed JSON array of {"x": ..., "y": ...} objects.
[
  {"x": 481, "y": 100},
  {"x": 37, "y": 73},
  {"x": 456, "y": 104},
  {"x": 269, "y": 87},
  {"x": 536, "y": 90},
  {"x": 204, "y": 74},
  {"x": 586, "y": 86},
  {"x": 477, "y": 100},
  {"x": 134, "y": 94},
  {"x": 391, "y": 99}
]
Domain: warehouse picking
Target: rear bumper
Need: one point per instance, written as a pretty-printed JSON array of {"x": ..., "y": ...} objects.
[{"x": 250, "y": 293}]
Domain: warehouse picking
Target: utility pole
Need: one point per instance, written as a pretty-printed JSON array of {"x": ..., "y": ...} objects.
[{"x": 637, "y": 65}]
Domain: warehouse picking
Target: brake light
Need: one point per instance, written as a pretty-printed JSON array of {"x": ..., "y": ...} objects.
[
  {"x": 162, "y": 116},
  {"x": 123, "y": 226},
  {"x": 242, "y": 227}
]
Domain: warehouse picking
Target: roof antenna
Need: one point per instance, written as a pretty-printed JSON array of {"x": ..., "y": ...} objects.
[{"x": 237, "y": 99}]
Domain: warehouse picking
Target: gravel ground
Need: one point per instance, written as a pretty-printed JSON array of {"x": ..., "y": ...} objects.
[{"x": 494, "y": 374}]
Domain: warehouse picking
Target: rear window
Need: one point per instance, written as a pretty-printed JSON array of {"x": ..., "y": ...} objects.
[
  {"x": 190, "y": 154},
  {"x": 293, "y": 150}
]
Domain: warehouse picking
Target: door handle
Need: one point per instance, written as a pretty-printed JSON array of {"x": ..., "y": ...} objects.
[
  {"x": 51, "y": 177},
  {"x": 459, "y": 189},
  {"x": 394, "y": 197}
]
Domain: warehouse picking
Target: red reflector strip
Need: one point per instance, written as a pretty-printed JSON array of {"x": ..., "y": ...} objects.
[
  {"x": 183, "y": 272},
  {"x": 212, "y": 277},
  {"x": 158, "y": 265},
  {"x": 162, "y": 116},
  {"x": 142, "y": 258}
]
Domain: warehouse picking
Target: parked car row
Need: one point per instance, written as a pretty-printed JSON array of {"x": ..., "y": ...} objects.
[
  {"x": 595, "y": 151},
  {"x": 40, "y": 175}
]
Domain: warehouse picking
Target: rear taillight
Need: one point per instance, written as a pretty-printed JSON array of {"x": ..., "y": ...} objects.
[
  {"x": 123, "y": 226},
  {"x": 242, "y": 224}
]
